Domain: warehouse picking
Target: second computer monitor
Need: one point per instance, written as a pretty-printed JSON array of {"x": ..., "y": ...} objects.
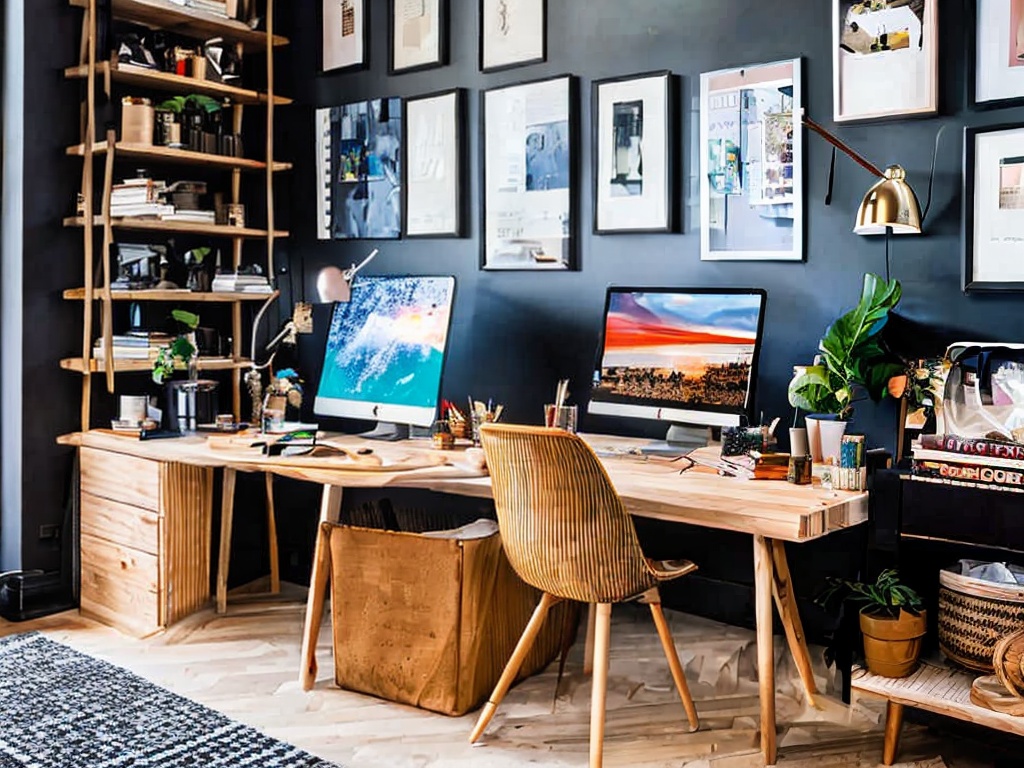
[{"x": 682, "y": 355}]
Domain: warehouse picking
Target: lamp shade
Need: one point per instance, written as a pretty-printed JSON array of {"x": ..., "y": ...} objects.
[{"x": 890, "y": 203}]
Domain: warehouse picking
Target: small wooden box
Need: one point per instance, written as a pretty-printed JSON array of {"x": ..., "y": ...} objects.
[
  {"x": 432, "y": 622},
  {"x": 137, "y": 124}
]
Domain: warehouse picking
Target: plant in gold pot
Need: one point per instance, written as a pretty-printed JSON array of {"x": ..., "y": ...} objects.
[{"x": 892, "y": 621}]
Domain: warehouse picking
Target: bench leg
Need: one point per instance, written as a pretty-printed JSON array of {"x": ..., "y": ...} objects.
[{"x": 893, "y": 723}]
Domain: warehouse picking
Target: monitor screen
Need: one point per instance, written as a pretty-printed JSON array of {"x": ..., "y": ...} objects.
[
  {"x": 385, "y": 350},
  {"x": 686, "y": 355}
]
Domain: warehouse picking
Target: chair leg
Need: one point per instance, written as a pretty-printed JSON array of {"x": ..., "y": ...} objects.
[
  {"x": 599, "y": 692},
  {"x": 674, "y": 664},
  {"x": 514, "y": 663}
]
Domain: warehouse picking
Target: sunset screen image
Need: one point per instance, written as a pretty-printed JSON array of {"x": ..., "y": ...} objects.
[{"x": 694, "y": 349}]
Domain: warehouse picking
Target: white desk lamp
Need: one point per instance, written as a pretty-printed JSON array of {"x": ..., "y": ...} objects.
[{"x": 333, "y": 285}]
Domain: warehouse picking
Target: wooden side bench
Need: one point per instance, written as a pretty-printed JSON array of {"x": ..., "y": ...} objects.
[{"x": 932, "y": 688}]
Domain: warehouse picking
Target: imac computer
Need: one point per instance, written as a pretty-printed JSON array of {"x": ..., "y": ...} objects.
[
  {"x": 687, "y": 356},
  {"x": 385, "y": 353}
]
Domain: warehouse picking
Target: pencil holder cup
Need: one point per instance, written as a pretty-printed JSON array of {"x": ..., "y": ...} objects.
[
  {"x": 476, "y": 420},
  {"x": 560, "y": 416}
]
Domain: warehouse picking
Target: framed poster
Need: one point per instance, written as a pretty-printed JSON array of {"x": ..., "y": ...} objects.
[
  {"x": 995, "y": 50},
  {"x": 751, "y": 163},
  {"x": 359, "y": 170},
  {"x": 634, "y": 153},
  {"x": 513, "y": 33},
  {"x": 345, "y": 35},
  {"x": 529, "y": 175},
  {"x": 993, "y": 215},
  {"x": 885, "y": 59},
  {"x": 418, "y": 34},
  {"x": 435, "y": 169}
]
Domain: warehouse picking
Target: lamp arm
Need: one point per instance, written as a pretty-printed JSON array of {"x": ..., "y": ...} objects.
[
  {"x": 866, "y": 165},
  {"x": 256, "y": 326}
]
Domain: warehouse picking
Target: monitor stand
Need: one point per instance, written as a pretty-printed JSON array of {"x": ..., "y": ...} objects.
[
  {"x": 386, "y": 430},
  {"x": 680, "y": 439}
]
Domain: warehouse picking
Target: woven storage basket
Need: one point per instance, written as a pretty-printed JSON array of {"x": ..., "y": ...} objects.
[{"x": 974, "y": 615}]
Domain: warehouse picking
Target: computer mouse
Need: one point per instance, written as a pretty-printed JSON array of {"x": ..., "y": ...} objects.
[{"x": 364, "y": 451}]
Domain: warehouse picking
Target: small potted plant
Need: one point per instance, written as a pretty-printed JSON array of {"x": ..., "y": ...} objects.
[
  {"x": 892, "y": 621},
  {"x": 182, "y": 349}
]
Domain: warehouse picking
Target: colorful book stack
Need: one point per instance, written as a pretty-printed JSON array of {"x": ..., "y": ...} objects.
[
  {"x": 971, "y": 462},
  {"x": 851, "y": 474}
]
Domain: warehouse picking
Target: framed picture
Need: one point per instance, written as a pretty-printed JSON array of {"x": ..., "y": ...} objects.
[
  {"x": 435, "y": 169},
  {"x": 993, "y": 215},
  {"x": 513, "y": 33},
  {"x": 419, "y": 35},
  {"x": 885, "y": 59},
  {"x": 635, "y": 153},
  {"x": 529, "y": 167},
  {"x": 995, "y": 48},
  {"x": 751, "y": 163},
  {"x": 359, "y": 170},
  {"x": 346, "y": 34}
]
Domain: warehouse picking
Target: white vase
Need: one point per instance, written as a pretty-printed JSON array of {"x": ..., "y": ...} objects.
[
  {"x": 832, "y": 440},
  {"x": 814, "y": 438}
]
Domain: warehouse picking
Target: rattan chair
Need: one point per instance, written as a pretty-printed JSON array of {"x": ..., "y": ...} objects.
[{"x": 566, "y": 532}]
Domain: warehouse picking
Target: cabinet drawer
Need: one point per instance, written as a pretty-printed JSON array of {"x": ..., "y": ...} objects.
[
  {"x": 120, "y": 523},
  {"x": 120, "y": 477},
  {"x": 120, "y": 586}
]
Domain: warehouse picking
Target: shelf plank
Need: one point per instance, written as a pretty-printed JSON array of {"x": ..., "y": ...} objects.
[
  {"x": 129, "y": 74},
  {"x": 157, "y": 153},
  {"x": 185, "y": 295},
  {"x": 184, "y": 227},
  {"x": 77, "y": 365},
  {"x": 162, "y": 14}
]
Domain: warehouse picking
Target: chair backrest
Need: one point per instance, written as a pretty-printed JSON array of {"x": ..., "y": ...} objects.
[{"x": 563, "y": 526}]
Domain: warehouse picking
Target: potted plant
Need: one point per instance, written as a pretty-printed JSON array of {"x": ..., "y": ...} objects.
[
  {"x": 851, "y": 363},
  {"x": 182, "y": 349},
  {"x": 892, "y": 621}
]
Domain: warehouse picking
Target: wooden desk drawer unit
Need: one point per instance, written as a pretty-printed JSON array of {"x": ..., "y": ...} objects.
[{"x": 145, "y": 541}]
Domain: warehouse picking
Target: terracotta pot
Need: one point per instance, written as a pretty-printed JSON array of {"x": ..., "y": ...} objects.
[{"x": 892, "y": 646}]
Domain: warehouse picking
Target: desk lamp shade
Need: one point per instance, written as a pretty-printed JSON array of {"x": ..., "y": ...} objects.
[{"x": 891, "y": 203}]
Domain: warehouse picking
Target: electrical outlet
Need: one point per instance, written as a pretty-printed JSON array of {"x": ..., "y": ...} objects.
[{"x": 47, "y": 532}]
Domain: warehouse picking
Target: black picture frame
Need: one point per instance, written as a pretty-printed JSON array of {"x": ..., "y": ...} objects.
[
  {"x": 672, "y": 154},
  {"x": 481, "y": 41},
  {"x": 571, "y": 263},
  {"x": 971, "y": 21},
  {"x": 443, "y": 40},
  {"x": 364, "y": 32},
  {"x": 968, "y": 219},
  {"x": 461, "y": 160}
]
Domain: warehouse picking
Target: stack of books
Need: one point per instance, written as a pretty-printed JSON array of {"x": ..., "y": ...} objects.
[
  {"x": 216, "y": 7},
  {"x": 134, "y": 345},
  {"x": 199, "y": 217},
  {"x": 138, "y": 197},
  {"x": 241, "y": 283},
  {"x": 970, "y": 462}
]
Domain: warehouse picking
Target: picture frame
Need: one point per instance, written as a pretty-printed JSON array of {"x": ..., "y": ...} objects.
[
  {"x": 995, "y": 53},
  {"x": 752, "y": 163},
  {"x": 992, "y": 225},
  {"x": 434, "y": 205},
  {"x": 634, "y": 142},
  {"x": 418, "y": 33},
  {"x": 896, "y": 44},
  {"x": 513, "y": 33},
  {"x": 359, "y": 170},
  {"x": 345, "y": 27},
  {"x": 530, "y": 203}
]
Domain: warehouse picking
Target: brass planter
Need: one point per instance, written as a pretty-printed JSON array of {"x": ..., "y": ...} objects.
[{"x": 892, "y": 646}]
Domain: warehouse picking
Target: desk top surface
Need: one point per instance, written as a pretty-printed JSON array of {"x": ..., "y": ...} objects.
[{"x": 649, "y": 487}]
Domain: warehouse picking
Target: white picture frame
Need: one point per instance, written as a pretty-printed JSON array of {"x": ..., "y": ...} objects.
[
  {"x": 345, "y": 43},
  {"x": 885, "y": 60},
  {"x": 513, "y": 33},
  {"x": 634, "y": 124},
  {"x": 435, "y": 167},
  {"x": 995, "y": 50},
  {"x": 752, "y": 163},
  {"x": 418, "y": 33}
]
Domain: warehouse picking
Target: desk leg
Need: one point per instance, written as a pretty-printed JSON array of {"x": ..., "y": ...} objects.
[
  {"x": 227, "y": 514},
  {"x": 763, "y": 582},
  {"x": 785, "y": 601},
  {"x": 275, "y": 566},
  {"x": 330, "y": 512}
]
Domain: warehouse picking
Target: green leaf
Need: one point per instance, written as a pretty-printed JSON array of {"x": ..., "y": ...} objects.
[{"x": 188, "y": 319}]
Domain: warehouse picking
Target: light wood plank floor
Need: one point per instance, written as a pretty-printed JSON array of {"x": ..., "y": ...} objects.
[{"x": 245, "y": 664}]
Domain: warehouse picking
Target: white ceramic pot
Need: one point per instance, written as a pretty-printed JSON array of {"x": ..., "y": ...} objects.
[
  {"x": 814, "y": 438},
  {"x": 798, "y": 441},
  {"x": 832, "y": 440}
]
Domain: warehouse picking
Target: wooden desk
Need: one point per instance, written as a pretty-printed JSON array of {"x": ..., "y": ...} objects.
[{"x": 772, "y": 512}]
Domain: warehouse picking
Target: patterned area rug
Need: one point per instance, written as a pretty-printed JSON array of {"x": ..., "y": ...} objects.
[{"x": 63, "y": 709}]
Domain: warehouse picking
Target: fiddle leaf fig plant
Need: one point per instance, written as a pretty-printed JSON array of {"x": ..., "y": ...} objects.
[
  {"x": 182, "y": 348},
  {"x": 851, "y": 357}
]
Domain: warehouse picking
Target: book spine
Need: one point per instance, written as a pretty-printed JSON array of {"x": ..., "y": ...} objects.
[
  {"x": 966, "y": 484},
  {"x": 980, "y": 475},
  {"x": 973, "y": 446}
]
